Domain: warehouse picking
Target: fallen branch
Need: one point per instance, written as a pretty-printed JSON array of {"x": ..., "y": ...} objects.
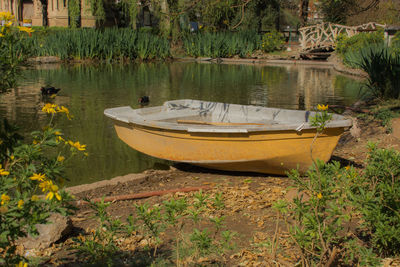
[{"x": 143, "y": 195}]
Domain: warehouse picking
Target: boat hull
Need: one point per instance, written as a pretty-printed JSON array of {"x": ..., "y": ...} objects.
[{"x": 272, "y": 152}]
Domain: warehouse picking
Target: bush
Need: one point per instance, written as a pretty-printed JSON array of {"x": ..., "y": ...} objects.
[
  {"x": 383, "y": 68},
  {"x": 396, "y": 43},
  {"x": 378, "y": 199},
  {"x": 27, "y": 170},
  {"x": 345, "y": 44},
  {"x": 12, "y": 50},
  {"x": 272, "y": 41}
]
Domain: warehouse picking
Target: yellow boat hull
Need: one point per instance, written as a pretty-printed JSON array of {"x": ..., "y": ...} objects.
[{"x": 273, "y": 152}]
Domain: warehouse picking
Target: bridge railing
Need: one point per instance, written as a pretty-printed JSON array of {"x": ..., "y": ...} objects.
[{"x": 324, "y": 35}]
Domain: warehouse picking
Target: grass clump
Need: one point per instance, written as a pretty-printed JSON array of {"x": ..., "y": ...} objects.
[
  {"x": 108, "y": 44},
  {"x": 222, "y": 44}
]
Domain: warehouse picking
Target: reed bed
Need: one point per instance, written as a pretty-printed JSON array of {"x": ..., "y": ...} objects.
[
  {"x": 222, "y": 44},
  {"x": 108, "y": 44}
]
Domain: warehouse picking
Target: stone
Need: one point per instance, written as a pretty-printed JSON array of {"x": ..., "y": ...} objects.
[
  {"x": 355, "y": 131},
  {"x": 58, "y": 227},
  {"x": 396, "y": 127}
]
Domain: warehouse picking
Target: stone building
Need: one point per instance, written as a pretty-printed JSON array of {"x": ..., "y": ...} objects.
[{"x": 31, "y": 12}]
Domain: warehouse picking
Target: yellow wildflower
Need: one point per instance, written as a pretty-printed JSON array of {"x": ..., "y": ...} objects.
[
  {"x": 60, "y": 158},
  {"x": 57, "y": 133},
  {"x": 4, "y": 199},
  {"x": 77, "y": 145},
  {"x": 319, "y": 196},
  {"x": 1, "y": 35},
  {"x": 63, "y": 109},
  {"x": 35, "y": 142},
  {"x": 12, "y": 157},
  {"x": 347, "y": 167},
  {"x": 60, "y": 139},
  {"x": 53, "y": 192},
  {"x": 21, "y": 264},
  {"x": 34, "y": 198},
  {"x": 38, "y": 177},
  {"x": 322, "y": 107},
  {"x": 3, "y": 172},
  {"x": 20, "y": 203},
  {"x": 6, "y": 16},
  {"x": 50, "y": 108},
  {"x": 26, "y": 29}
]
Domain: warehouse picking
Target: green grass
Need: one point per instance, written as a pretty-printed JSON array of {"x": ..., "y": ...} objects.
[{"x": 108, "y": 44}]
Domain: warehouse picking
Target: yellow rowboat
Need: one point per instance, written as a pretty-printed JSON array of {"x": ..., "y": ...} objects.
[{"x": 227, "y": 136}]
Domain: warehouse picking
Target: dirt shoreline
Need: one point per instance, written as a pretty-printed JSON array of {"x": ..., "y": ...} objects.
[{"x": 334, "y": 61}]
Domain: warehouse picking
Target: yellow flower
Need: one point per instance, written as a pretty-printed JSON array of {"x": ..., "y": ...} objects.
[
  {"x": 4, "y": 199},
  {"x": 347, "y": 167},
  {"x": 12, "y": 157},
  {"x": 50, "y": 108},
  {"x": 1, "y": 35},
  {"x": 21, "y": 264},
  {"x": 63, "y": 109},
  {"x": 35, "y": 142},
  {"x": 58, "y": 133},
  {"x": 60, "y": 158},
  {"x": 322, "y": 107},
  {"x": 60, "y": 139},
  {"x": 6, "y": 16},
  {"x": 38, "y": 177},
  {"x": 34, "y": 198},
  {"x": 20, "y": 203},
  {"x": 26, "y": 29},
  {"x": 77, "y": 145},
  {"x": 3, "y": 172},
  {"x": 319, "y": 196}
]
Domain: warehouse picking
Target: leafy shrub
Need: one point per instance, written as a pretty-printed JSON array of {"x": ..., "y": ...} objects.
[
  {"x": 29, "y": 169},
  {"x": 383, "y": 68},
  {"x": 396, "y": 43},
  {"x": 12, "y": 50},
  {"x": 345, "y": 44},
  {"x": 272, "y": 41},
  {"x": 378, "y": 199}
]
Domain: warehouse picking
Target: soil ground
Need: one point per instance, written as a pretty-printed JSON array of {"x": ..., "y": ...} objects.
[{"x": 248, "y": 199}]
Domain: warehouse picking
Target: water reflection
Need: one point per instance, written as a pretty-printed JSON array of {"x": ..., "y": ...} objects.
[{"x": 88, "y": 90}]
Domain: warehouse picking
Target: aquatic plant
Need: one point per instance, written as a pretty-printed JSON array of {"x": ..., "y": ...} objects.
[
  {"x": 221, "y": 44},
  {"x": 108, "y": 44}
]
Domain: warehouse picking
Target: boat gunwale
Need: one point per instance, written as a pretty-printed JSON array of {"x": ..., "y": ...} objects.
[{"x": 340, "y": 122}]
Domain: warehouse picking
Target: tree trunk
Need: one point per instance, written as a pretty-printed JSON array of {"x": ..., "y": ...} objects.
[{"x": 303, "y": 11}]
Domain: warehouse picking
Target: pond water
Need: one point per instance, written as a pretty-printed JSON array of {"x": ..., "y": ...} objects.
[{"x": 88, "y": 90}]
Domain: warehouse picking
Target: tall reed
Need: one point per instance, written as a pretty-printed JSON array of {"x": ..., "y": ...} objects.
[
  {"x": 222, "y": 44},
  {"x": 108, "y": 44},
  {"x": 382, "y": 64}
]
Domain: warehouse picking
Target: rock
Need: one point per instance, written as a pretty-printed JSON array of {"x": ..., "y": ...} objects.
[
  {"x": 396, "y": 127},
  {"x": 355, "y": 131},
  {"x": 58, "y": 227}
]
